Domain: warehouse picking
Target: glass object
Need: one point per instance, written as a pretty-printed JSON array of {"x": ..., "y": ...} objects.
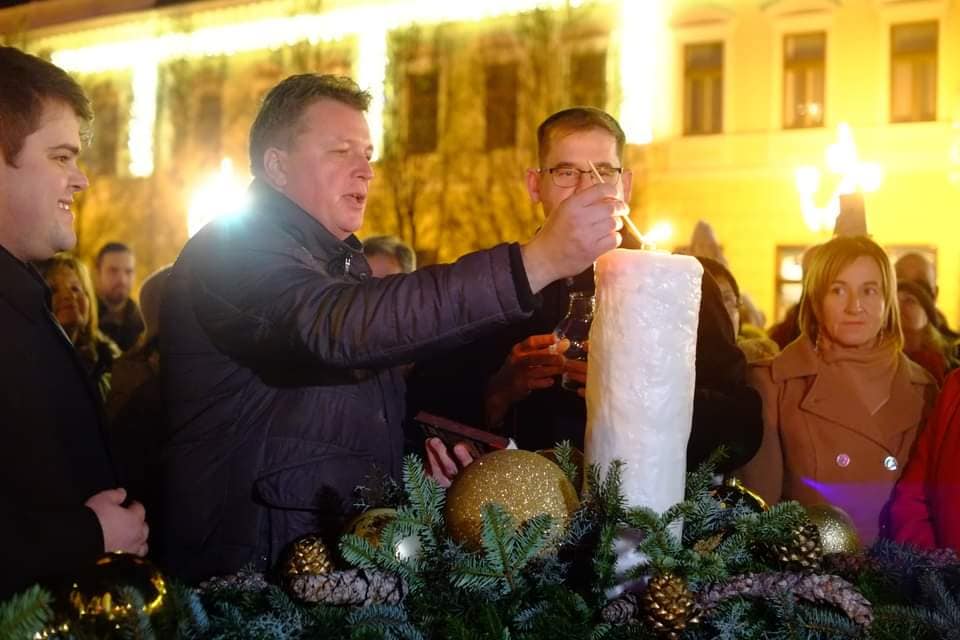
[
  {"x": 566, "y": 176},
  {"x": 575, "y": 327}
]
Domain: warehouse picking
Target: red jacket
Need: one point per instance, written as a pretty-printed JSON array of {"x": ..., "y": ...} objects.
[{"x": 923, "y": 509}]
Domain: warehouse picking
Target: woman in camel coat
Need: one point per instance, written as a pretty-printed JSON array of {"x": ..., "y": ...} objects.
[{"x": 842, "y": 404}]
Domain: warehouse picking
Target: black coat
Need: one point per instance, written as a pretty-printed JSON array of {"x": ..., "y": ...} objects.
[
  {"x": 726, "y": 411},
  {"x": 53, "y": 457},
  {"x": 279, "y": 360}
]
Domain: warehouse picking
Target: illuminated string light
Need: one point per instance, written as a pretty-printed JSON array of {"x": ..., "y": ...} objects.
[{"x": 369, "y": 23}]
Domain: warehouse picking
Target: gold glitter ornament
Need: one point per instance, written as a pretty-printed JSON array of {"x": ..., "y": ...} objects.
[
  {"x": 732, "y": 492},
  {"x": 838, "y": 534},
  {"x": 524, "y": 483},
  {"x": 307, "y": 555},
  {"x": 95, "y": 601},
  {"x": 370, "y": 524}
]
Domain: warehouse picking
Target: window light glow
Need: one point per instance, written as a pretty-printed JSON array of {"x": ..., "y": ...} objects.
[{"x": 369, "y": 23}]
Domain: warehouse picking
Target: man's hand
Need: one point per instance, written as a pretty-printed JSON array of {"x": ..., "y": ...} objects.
[
  {"x": 581, "y": 229},
  {"x": 124, "y": 528},
  {"x": 532, "y": 364},
  {"x": 576, "y": 370},
  {"x": 441, "y": 466}
]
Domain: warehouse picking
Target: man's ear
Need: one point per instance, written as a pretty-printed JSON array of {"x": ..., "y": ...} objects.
[
  {"x": 533, "y": 185},
  {"x": 275, "y": 167}
]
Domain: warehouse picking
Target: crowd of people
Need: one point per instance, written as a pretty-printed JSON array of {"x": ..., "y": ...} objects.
[{"x": 266, "y": 372}]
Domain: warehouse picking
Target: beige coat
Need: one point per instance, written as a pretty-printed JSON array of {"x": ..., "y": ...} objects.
[{"x": 820, "y": 446}]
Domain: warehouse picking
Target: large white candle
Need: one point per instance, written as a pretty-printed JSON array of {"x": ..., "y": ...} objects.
[{"x": 641, "y": 376}]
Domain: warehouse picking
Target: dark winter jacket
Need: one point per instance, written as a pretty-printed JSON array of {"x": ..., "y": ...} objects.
[
  {"x": 53, "y": 457},
  {"x": 726, "y": 410},
  {"x": 278, "y": 359}
]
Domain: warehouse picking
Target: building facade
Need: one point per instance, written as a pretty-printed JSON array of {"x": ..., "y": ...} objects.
[{"x": 752, "y": 115}]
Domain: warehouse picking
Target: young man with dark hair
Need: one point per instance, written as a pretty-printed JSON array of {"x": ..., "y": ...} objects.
[
  {"x": 120, "y": 316},
  {"x": 57, "y": 485},
  {"x": 283, "y": 356}
]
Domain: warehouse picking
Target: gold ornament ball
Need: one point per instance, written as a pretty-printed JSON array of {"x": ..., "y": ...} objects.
[
  {"x": 370, "y": 524},
  {"x": 837, "y": 531},
  {"x": 307, "y": 555},
  {"x": 526, "y": 484},
  {"x": 96, "y": 598}
]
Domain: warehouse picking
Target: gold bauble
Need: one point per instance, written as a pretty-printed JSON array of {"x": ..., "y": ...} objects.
[
  {"x": 96, "y": 599},
  {"x": 370, "y": 524},
  {"x": 838, "y": 534},
  {"x": 522, "y": 482},
  {"x": 307, "y": 555}
]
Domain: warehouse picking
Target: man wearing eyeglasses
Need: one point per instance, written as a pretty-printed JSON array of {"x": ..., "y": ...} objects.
[{"x": 520, "y": 368}]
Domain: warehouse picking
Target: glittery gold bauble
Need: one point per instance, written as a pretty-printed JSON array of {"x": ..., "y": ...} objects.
[
  {"x": 732, "y": 493},
  {"x": 838, "y": 534},
  {"x": 96, "y": 599},
  {"x": 576, "y": 457},
  {"x": 803, "y": 552},
  {"x": 369, "y": 525},
  {"x": 306, "y": 555},
  {"x": 669, "y": 606},
  {"x": 524, "y": 483}
]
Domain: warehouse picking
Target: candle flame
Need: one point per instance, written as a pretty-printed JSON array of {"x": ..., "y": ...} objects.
[{"x": 658, "y": 234}]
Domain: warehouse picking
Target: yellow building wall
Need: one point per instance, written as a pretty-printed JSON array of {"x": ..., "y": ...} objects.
[{"x": 742, "y": 181}]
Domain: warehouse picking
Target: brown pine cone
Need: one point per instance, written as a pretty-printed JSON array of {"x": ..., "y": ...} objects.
[
  {"x": 353, "y": 587},
  {"x": 803, "y": 553},
  {"x": 824, "y": 588},
  {"x": 623, "y": 610}
]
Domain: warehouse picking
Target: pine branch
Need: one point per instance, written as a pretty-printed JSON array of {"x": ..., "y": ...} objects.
[
  {"x": 390, "y": 621},
  {"x": 563, "y": 452},
  {"x": 25, "y": 614},
  {"x": 531, "y": 539},
  {"x": 426, "y": 496}
]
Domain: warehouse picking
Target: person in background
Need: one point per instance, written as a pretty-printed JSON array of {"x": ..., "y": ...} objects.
[
  {"x": 119, "y": 315},
  {"x": 914, "y": 267},
  {"x": 751, "y": 340},
  {"x": 61, "y": 504},
  {"x": 923, "y": 510},
  {"x": 388, "y": 255},
  {"x": 922, "y": 341},
  {"x": 842, "y": 404},
  {"x": 73, "y": 306},
  {"x": 509, "y": 381},
  {"x": 788, "y": 329}
]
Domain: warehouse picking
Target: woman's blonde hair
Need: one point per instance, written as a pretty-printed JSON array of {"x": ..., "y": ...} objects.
[
  {"x": 830, "y": 259},
  {"x": 89, "y": 332}
]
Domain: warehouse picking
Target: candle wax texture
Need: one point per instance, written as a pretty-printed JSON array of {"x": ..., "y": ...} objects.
[{"x": 642, "y": 371}]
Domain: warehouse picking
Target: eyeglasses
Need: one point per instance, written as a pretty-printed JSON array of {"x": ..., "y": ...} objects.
[{"x": 567, "y": 177}]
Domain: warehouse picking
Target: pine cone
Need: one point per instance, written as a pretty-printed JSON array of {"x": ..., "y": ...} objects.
[
  {"x": 306, "y": 555},
  {"x": 623, "y": 610},
  {"x": 803, "y": 553},
  {"x": 828, "y": 589},
  {"x": 243, "y": 581},
  {"x": 353, "y": 587},
  {"x": 669, "y": 606}
]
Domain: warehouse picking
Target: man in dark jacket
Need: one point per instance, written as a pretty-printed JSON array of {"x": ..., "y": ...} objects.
[
  {"x": 280, "y": 352},
  {"x": 57, "y": 486},
  {"x": 508, "y": 382}
]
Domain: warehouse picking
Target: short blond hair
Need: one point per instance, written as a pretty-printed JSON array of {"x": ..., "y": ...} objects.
[{"x": 830, "y": 259}]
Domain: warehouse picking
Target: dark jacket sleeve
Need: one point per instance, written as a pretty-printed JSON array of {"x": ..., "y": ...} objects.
[
  {"x": 251, "y": 303},
  {"x": 42, "y": 544},
  {"x": 726, "y": 410}
]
